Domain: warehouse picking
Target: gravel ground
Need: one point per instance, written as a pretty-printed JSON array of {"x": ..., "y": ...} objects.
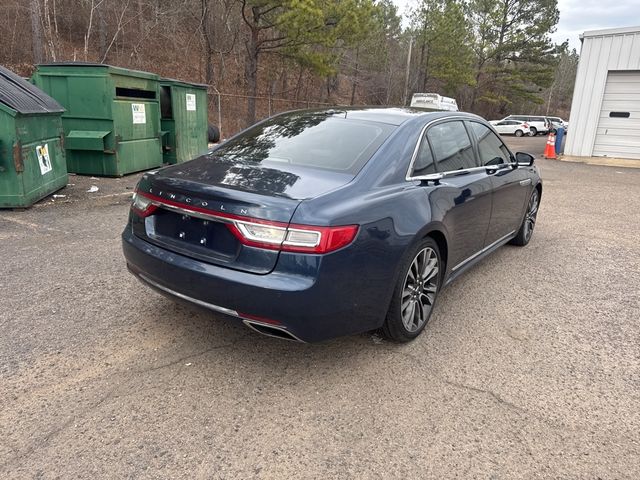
[{"x": 529, "y": 368}]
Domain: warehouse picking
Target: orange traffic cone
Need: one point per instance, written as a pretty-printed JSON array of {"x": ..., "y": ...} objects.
[{"x": 550, "y": 149}]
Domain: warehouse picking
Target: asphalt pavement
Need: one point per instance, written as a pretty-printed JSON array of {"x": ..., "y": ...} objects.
[{"x": 529, "y": 368}]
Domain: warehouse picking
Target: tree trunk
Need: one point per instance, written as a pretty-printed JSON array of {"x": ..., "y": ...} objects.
[
  {"x": 354, "y": 84},
  {"x": 36, "y": 31},
  {"x": 208, "y": 35},
  {"x": 422, "y": 76},
  {"x": 474, "y": 95},
  {"x": 251, "y": 72},
  {"x": 102, "y": 31},
  {"x": 299, "y": 83}
]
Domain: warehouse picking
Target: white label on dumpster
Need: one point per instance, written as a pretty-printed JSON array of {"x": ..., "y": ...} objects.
[
  {"x": 42, "y": 151},
  {"x": 138, "y": 113},
  {"x": 191, "y": 102}
]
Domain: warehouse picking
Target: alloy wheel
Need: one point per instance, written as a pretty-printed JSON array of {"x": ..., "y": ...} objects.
[
  {"x": 532, "y": 212},
  {"x": 420, "y": 288}
]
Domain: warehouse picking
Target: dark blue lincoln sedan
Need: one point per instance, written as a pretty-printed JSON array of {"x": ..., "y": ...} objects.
[{"x": 320, "y": 223}]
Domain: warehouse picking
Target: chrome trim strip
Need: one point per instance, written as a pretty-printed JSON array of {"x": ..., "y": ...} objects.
[
  {"x": 210, "y": 306},
  {"x": 484, "y": 250},
  {"x": 250, "y": 323},
  {"x": 192, "y": 213},
  {"x": 215, "y": 218},
  {"x": 219, "y": 309}
]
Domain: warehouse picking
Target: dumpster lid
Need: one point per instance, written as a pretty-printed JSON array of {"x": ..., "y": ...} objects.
[
  {"x": 183, "y": 83},
  {"x": 110, "y": 68},
  {"x": 23, "y": 97}
]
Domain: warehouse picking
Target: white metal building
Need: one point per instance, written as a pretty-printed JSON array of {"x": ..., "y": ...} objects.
[{"x": 605, "y": 111}]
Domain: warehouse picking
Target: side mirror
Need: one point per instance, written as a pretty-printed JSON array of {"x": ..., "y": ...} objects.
[{"x": 524, "y": 159}]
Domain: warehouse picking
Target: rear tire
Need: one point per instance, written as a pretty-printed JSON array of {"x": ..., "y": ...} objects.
[
  {"x": 529, "y": 221},
  {"x": 533, "y": 131},
  {"x": 519, "y": 133},
  {"x": 415, "y": 294}
]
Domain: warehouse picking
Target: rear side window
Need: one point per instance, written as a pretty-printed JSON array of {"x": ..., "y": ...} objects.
[
  {"x": 326, "y": 140},
  {"x": 451, "y": 146},
  {"x": 491, "y": 149}
]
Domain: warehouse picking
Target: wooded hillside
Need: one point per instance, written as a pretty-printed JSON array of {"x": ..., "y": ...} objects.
[{"x": 264, "y": 56}]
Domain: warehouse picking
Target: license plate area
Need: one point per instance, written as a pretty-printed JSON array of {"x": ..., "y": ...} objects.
[{"x": 191, "y": 234}]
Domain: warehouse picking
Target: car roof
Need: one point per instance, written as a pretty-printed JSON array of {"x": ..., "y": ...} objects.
[{"x": 390, "y": 115}]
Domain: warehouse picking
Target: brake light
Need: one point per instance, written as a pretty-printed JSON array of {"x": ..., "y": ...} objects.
[
  {"x": 261, "y": 233},
  {"x": 525, "y": 125},
  {"x": 293, "y": 238},
  {"x": 142, "y": 205}
]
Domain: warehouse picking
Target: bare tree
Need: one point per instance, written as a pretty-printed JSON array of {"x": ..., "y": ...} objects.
[{"x": 36, "y": 31}]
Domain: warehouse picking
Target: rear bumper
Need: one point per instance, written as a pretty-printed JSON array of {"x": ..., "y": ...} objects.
[{"x": 310, "y": 296}]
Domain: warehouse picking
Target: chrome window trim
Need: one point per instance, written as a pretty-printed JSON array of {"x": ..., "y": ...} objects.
[{"x": 456, "y": 173}]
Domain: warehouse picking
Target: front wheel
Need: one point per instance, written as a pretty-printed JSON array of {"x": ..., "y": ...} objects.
[
  {"x": 415, "y": 294},
  {"x": 519, "y": 133},
  {"x": 529, "y": 221},
  {"x": 533, "y": 131}
]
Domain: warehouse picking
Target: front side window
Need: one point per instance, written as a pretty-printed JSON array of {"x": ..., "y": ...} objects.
[
  {"x": 451, "y": 146},
  {"x": 491, "y": 149}
]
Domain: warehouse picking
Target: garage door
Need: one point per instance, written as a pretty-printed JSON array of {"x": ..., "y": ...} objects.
[{"x": 618, "y": 133}]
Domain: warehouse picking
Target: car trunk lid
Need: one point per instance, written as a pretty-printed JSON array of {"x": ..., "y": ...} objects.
[{"x": 196, "y": 204}]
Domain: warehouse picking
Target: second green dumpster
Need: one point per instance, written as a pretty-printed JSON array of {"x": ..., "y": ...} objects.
[
  {"x": 112, "y": 119},
  {"x": 183, "y": 108}
]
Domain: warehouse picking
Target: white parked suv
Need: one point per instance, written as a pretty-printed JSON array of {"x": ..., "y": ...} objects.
[
  {"x": 559, "y": 121},
  {"x": 511, "y": 127},
  {"x": 538, "y": 124}
]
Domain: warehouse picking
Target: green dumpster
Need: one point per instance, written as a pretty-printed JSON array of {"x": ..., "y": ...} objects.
[
  {"x": 32, "y": 160},
  {"x": 184, "y": 120},
  {"x": 112, "y": 118}
]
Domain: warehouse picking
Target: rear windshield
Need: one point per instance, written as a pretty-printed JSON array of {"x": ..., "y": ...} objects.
[{"x": 318, "y": 140}]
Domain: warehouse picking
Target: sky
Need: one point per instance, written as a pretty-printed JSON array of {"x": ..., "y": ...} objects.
[{"x": 578, "y": 16}]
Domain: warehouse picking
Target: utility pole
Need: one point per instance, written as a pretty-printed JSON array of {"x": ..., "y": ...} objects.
[{"x": 406, "y": 78}]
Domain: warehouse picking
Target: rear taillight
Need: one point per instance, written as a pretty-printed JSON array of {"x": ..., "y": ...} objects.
[
  {"x": 260, "y": 233},
  {"x": 142, "y": 205},
  {"x": 293, "y": 238},
  {"x": 525, "y": 125}
]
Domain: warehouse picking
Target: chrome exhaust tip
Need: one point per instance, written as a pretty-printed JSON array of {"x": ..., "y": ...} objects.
[{"x": 271, "y": 330}]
